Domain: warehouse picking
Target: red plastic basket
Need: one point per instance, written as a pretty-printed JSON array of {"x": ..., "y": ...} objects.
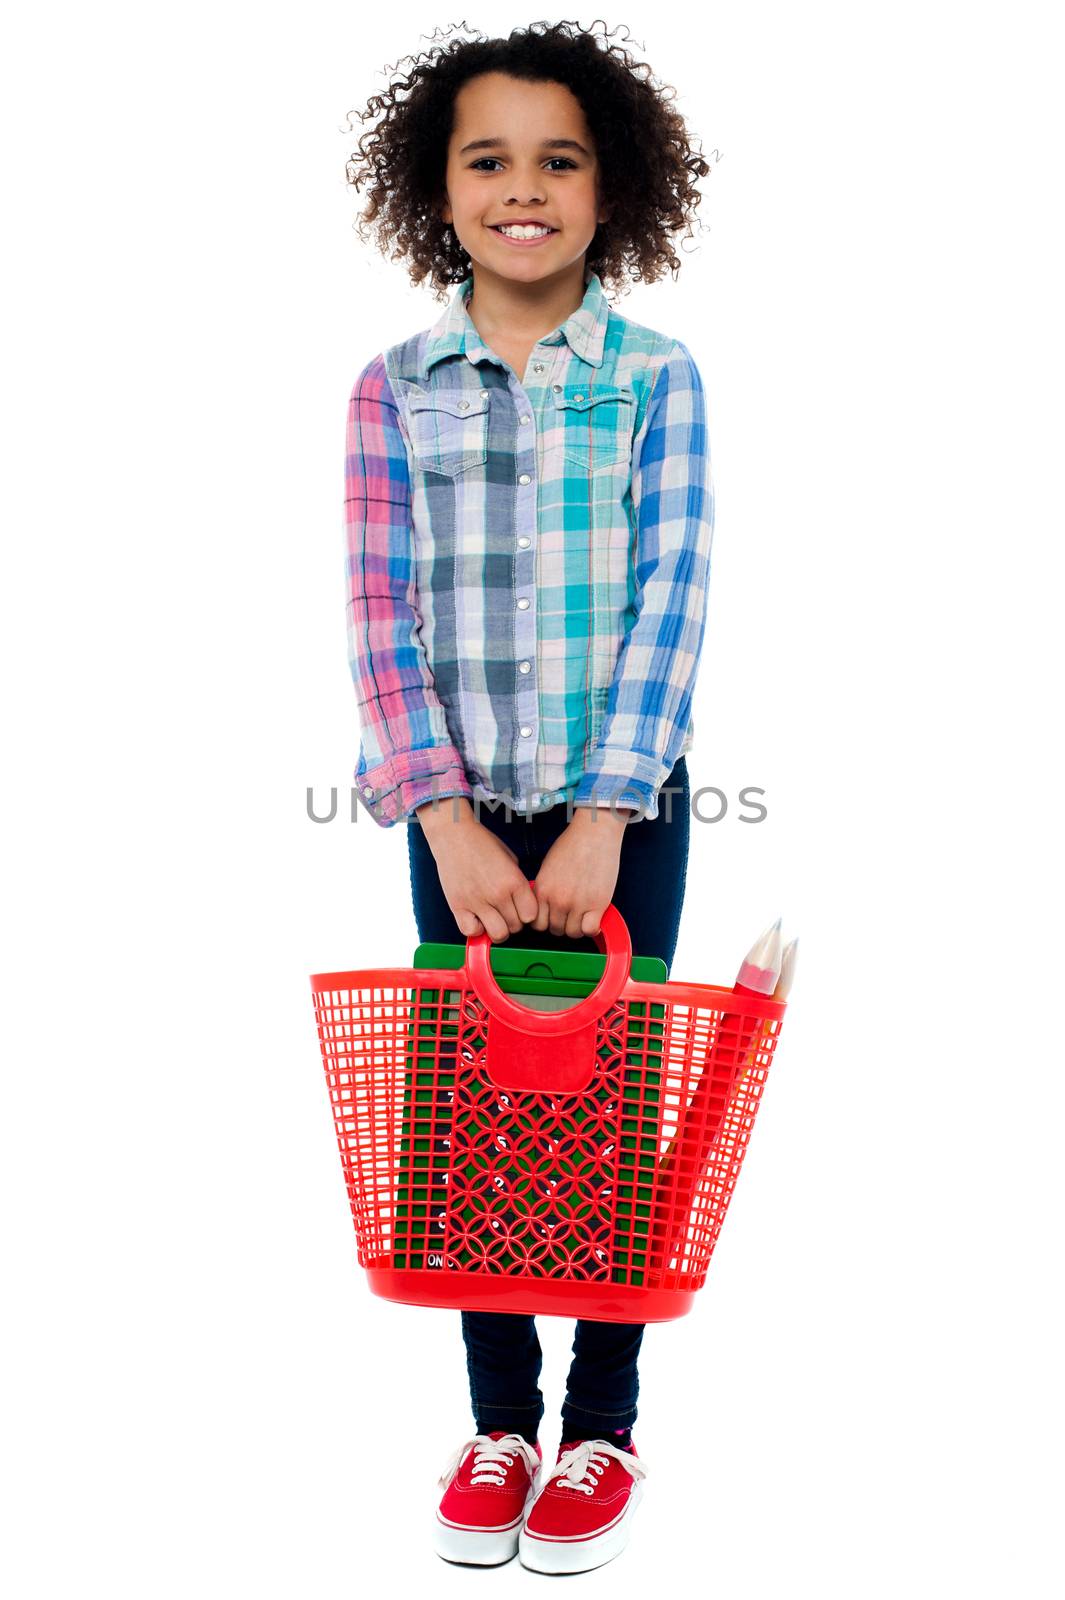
[{"x": 575, "y": 1163}]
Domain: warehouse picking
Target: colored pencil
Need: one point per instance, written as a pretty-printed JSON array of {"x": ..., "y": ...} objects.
[{"x": 685, "y": 1160}]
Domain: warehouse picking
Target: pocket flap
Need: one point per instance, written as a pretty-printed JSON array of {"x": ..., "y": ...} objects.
[
  {"x": 583, "y": 396},
  {"x": 455, "y": 402}
]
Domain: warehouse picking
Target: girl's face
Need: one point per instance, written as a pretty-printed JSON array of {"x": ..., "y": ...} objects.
[{"x": 533, "y": 160}]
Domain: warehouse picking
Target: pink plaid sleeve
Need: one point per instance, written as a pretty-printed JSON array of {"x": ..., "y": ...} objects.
[{"x": 406, "y": 755}]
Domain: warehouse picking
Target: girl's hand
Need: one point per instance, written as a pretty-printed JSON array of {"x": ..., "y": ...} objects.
[
  {"x": 576, "y": 882},
  {"x": 480, "y": 876}
]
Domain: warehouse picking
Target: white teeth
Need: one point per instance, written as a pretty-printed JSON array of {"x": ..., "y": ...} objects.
[{"x": 526, "y": 231}]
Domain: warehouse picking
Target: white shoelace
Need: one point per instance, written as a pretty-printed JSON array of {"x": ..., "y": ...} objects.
[
  {"x": 489, "y": 1456},
  {"x": 583, "y": 1464}
]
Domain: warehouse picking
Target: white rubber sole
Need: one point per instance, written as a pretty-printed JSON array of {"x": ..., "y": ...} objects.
[
  {"x": 480, "y": 1547},
  {"x": 579, "y": 1555}
]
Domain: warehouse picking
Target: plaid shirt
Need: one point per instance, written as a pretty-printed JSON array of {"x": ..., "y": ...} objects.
[{"x": 527, "y": 564}]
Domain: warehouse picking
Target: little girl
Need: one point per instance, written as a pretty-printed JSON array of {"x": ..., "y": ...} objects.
[{"x": 529, "y": 515}]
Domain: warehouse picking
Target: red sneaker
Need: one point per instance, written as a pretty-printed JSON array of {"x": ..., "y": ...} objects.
[
  {"x": 582, "y": 1514},
  {"x": 489, "y": 1484}
]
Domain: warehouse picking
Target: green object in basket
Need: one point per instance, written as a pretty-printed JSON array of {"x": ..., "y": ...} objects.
[{"x": 546, "y": 980}]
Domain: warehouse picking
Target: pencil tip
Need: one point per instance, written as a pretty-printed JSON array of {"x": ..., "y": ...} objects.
[
  {"x": 787, "y": 971},
  {"x": 761, "y": 966}
]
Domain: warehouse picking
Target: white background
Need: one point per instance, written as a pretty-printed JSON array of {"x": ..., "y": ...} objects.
[{"x": 203, "y": 1397}]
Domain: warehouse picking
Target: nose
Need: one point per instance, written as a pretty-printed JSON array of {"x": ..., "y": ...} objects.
[{"x": 530, "y": 187}]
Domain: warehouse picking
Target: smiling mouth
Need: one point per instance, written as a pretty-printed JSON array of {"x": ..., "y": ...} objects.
[{"x": 500, "y": 227}]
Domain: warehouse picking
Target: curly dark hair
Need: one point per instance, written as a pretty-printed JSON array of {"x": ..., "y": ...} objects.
[{"x": 647, "y": 165}]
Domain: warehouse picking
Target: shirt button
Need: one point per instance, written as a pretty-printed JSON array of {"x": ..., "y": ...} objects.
[
  {"x": 557, "y": 387},
  {"x": 368, "y": 793},
  {"x": 538, "y": 366},
  {"x": 524, "y": 666},
  {"x": 523, "y": 419},
  {"x": 525, "y": 732},
  {"x": 484, "y": 394},
  {"x": 525, "y": 478},
  {"x": 524, "y": 542},
  {"x": 523, "y": 604},
  {"x": 578, "y": 397},
  {"x": 464, "y": 405}
]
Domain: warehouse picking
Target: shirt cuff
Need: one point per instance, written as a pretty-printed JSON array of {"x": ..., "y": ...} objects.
[
  {"x": 637, "y": 786},
  {"x": 393, "y": 790}
]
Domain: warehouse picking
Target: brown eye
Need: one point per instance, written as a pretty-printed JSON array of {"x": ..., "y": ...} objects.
[{"x": 566, "y": 162}]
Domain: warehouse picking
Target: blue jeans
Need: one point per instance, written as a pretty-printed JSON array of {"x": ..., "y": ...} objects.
[{"x": 503, "y": 1354}]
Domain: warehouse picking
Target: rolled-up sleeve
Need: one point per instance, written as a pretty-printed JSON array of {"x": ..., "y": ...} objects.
[
  {"x": 649, "y": 700},
  {"x": 406, "y": 754}
]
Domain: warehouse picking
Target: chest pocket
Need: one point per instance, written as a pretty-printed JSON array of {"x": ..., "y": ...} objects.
[
  {"x": 448, "y": 430},
  {"x": 595, "y": 423}
]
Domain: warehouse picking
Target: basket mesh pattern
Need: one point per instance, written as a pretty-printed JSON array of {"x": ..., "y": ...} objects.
[{"x": 626, "y": 1182}]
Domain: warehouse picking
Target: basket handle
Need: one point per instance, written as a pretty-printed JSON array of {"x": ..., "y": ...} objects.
[{"x": 613, "y": 940}]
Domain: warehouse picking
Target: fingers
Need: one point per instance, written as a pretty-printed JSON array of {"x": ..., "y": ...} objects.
[
  {"x": 525, "y": 906},
  {"x": 492, "y": 921},
  {"x": 512, "y": 912},
  {"x": 515, "y": 920},
  {"x": 566, "y": 923},
  {"x": 541, "y": 921},
  {"x": 525, "y": 902}
]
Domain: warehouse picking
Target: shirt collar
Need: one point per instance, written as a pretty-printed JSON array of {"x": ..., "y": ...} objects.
[{"x": 584, "y": 330}]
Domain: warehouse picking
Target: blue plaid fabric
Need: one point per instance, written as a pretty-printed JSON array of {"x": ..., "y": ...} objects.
[{"x": 528, "y": 561}]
